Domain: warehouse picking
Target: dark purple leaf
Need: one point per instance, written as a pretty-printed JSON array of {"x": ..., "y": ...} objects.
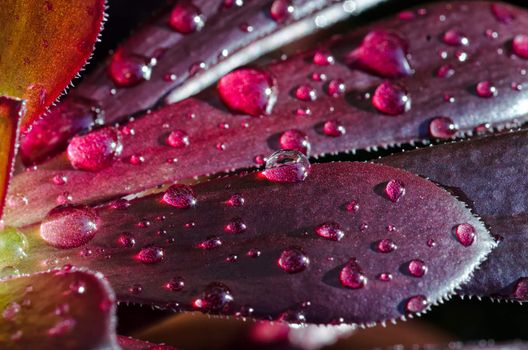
[
  {"x": 221, "y": 141},
  {"x": 490, "y": 174},
  {"x": 268, "y": 258},
  {"x": 481, "y": 345},
  {"x": 127, "y": 343},
  {"x": 61, "y": 309},
  {"x": 158, "y": 58}
]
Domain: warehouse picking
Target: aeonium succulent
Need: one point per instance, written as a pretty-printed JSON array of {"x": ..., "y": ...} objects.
[{"x": 120, "y": 190}]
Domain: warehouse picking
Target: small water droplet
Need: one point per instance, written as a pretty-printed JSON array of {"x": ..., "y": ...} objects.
[
  {"x": 186, "y": 18},
  {"x": 96, "y": 150},
  {"x": 210, "y": 242},
  {"x": 417, "y": 268},
  {"x": 351, "y": 275},
  {"x": 59, "y": 179},
  {"x": 386, "y": 245},
  {"x": 77, "y": 287},
  {"x": 180, "y": 196},
  {"x": 253, "y": 253},
  {"x": 333, "y": 128},
  {"x": 415, "y": 304},
  {"x": 292, "y": 317},
  {"x": 248, "y": 91},
  {"x": 318, "y": 76},
  {"x": 323, "y": 58},
  {"x": 178, "y": 139},
  {"x": 395, "y": 189},
  {"x": 281, "y": 10},
  {"x": 336, "y": 88},
  {"x": 391, "y": 99},
  {"x": 287, "y": 166},
  {"x": 69, "y": 226},
  {"x": 232, "y": 258},
  {"x": 305, "y": 92},
  {"x": 136, "y": 159},
  {"x": 465, "y": 233},
  {"x": 136, "y": 289},
  {"x": 442, "y": 128},
  {"x": 126, "y": 240},
  {"x": 293, "y": 260},
  {"x": 175, "y": 284},
  {"x": 330, "y": 230},
  {"x": 352, "y": 206},
  {"x": 11, "y": 310},
  {"x": 150, "y": 255},
  {"x": 431, "y": 243},
  {"x": 246, "y": 27},
  {"x": 295, "y": 140},
  {"x": 127, "y": 70},
  {"x": 520, "y": 291},
  {"x": 235, "y": 226},
  {"x": 486, "y": 89},
  {"x": 62, "y": 327},
  {"x": 445, "y": 71},
  {"x": 455, "y": 38},
  {"x": 385, "y": 277},
  {"x": 520, "y": 45},
  {"x": 216, "y": 298}
]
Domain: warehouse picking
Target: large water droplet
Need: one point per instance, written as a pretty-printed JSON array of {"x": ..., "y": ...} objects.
[
  {"x": 417, "y": 268},
  {"x": 442, "y": 128},
  {"x": 416, "y": 304},
  {"x": 96, "y": 150},
  {"x": 465, "y": 233},
  {"x": 351, "y": 275},
  {"x": 126, "y": 70},
  {"x": 186, "y": 18},
  {"x": 180, "y": 196},
  {"x": 391, "y": 99},
  {"x": 248, "y": 91},
  {"x": 287, "y": 166},
  {"x": 394, "y": 190},
  {"x": 216, "y": 298},
  {"x": 281, "y": 10},
  {"x": 520, "y": 45},
  {"x": 13, "y": 245},
  {"x": 330, "y": 230},
  {"x": 295, "y": 140},
  {"x": 382, "y": 53},
  {"x": 178, "y": 139},
  {"x": 150, "y": 255},
  {"x": 293, "y": 260},
  {"x": 69, "y": 226}
]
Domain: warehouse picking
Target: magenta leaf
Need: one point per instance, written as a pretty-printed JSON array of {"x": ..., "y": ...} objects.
[
  {"x": 210, "y": 139},
  {"x": 172, "y": 50},
  {"x": 489, "y": 174},
  {"x": 267, "y": 258},
  {"x": 61, "y": 309}
]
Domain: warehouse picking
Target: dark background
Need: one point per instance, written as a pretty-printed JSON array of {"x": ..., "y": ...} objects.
[{"x": 460, "y": 319}]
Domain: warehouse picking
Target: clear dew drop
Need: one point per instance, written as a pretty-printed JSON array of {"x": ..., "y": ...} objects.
[
  {"x": 465, "y": 234},
  {"x": 94, "y": 151},
  {"x": 293, "y": 260},
  {"x": 442, "y": 128},
  {"x": 391, "y": 99},
  {"x": 334, "y": 128},
  {"x": 180, "y": 196},
  {"x": 178, "y": 139},
  {"x": 69, "y": 226},
  {"x": 330, "y": 230},
  {"x": 416, "y": 303},
  {"x": 386, "y": 245},
  {"x": 352, "y": 276},
  {"x": 286, "y": 166},
  {"x": 216, "y": 298},
  {"x": 395, "y": 189},
  {"x": 186, "y": 18},
  {"x": 295, "y": 140},
  {"x": 305, "y": 92},
  {"x": 417, "y": 268},
  {"x": 127, "y": 70},
  {"x": 150, "y": 255},
  {"x": 235, "y": 226},
  {"x": 281, "y": 10},
  {"x": 248, "y": 91}
]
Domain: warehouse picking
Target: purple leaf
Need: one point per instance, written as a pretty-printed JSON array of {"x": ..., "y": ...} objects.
[
  {"x": 159, "y": 58},
  {"x": 61, "y": 309},
  {"x": 265, "y": 257},
  {"x": 127, "y": 343},
  {"x": 481, "y": 345},
  {"x": 490, "y": 174},
  {"x": 219, "y": 140}
]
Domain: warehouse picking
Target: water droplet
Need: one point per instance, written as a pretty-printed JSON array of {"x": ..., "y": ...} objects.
[
  {"x": 352, "y": 206},
  {"x": 445, "y": 71},
  {"x": 318, "y": 76},
  {"x": 351, "y": 275},
  {"x": 455, "y": 38},
  {"x": 363, "y": 227},
  {"x": 431, "y": 243},
  {"x": 391, "y": 99},
  {"x": 442, "y": 128},
  {"x": 150, "y": 255},
  {"x": 127, "y": 70},
  {"x": 416, "y": 304},
  {"x": 178, "y": 139},
  {"x": 59, "y": 180},
  {"x": 235, "y": 200},
  {"x": 333, "y": 128},
  {"x": 417, "y": 268},
  {"x": 287, "y": 166},
  {"x": 94, "y": 151},
  {"x": 293, "y": 260},
  {"x": 292, "y": 317},
  {"x": 216, "y": 298},
  {"x": 175, "y": 284},
  {"x": 281, "y": 10},
  {"x": 253, "y": 253},
  {"x": 186, "y": 18},
  {"x": 77, "y": 287},
  {"x": 465, "y": 234},
  {"x": 295, "y": 140},
  {"x": 303, "y": 111},
  {"x": 126, "y": 240},
  {"x": 305, "y": 93},
  {"x": 394, "y": 190},
  {"x": 386, "y": 245},
  {"x": 336, "y": 88},
  {"x": 323, "y": 58},
  {"x": 486, "y": 89},
  {"x": 69, "y": 226},
  {"x": 520, "y": 45},
  {"x": 180, "y": 196},
  {"x": 235, "y": 226},
  {"x": 232, "y": 258},
  {"x": 330, "y": 230},
  {"x": 382, "y": 53},
  {"x": 62, "y": 327},
  {"x": 502, "y": 13},
  {"x": 136, "y": 159},
  {"x": 385, "y": 277},
  {"x": 169, "y": 77},
  {"x": 520, "y": 291},
  {"x": 11, "y": 310},
  {"x": 136, "y": 289},
  {"x": 210, "y": 242},
  {"x": 13, "y": 245},
  {"x": 248, "y": 91}
]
